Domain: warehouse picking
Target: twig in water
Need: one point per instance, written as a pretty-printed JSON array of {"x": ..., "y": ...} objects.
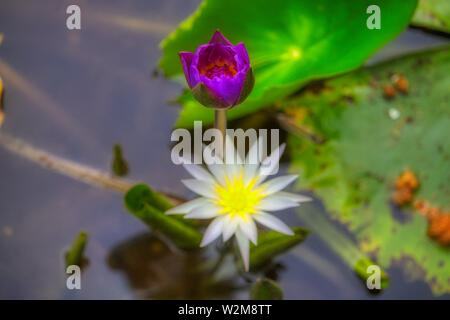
[
  {"x": 290, "y": 125},
  {"x": 71, "y": 168}
]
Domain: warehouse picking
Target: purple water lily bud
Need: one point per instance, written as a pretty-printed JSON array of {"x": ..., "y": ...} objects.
[{"x": 218, "y": 73}]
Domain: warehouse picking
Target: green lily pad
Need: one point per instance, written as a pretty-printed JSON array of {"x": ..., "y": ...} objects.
[
  {"x": 433, "y": 14},
  {"x": 369, "y": 141},
  {"x": 290, "y": 42}
]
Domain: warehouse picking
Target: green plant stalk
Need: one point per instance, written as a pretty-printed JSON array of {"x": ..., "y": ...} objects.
[
  {"x": 149, "y": 207},
  {"x": 272, "y": 243},
  {"x": 182, "y": 234},
  {"x": 75, "y": 254},
  {"x": 342, "y": 245},
  {"x": 220, "y": 123}
]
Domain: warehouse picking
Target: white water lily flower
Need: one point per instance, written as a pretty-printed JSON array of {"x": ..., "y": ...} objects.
[{"x": 236, "y": 196}]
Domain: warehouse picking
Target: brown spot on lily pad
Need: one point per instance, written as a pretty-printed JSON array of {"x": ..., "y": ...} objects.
[
  {"x": 405, "y": 184},
  {"x": 389, "y": 92},
  {"x": 400, "y": 82},
  {"x": 439, "y": 222}
]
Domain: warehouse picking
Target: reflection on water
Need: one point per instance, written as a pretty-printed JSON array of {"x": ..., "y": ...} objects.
[
  {"x": 75, "y": 94},
  {"x": 156, "y": 272}
]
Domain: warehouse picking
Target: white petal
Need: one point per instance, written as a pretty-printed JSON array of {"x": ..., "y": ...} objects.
[
  {"x": 248, "y": 227},
  {"x": 187, "y": 206},
  {"x": 243, "y": 248},
  {"x": 218, "y": 170},
  {"x": 229, "y": 227},
  {"x": 214, "y": 164},
  {"x": 270, "y": 164},
  {"x": 293, "y": 196},
  {"x": 277, "y": 184},
  {"x": 256, "y": 149},
  {"x": 232, "y": 171},
  {"x": 273, "y": 223},
  {"x": 252, "y": 161},
  {"x": 250, "y": 171},
  {"x": 212, "y": 232},
  {"x": 274, "y": 202},
  {"x": 198, "y": 172},
  {"x": 203, "y": 188},
  {"x": 232, "y": 155},
  {"x": 207, "y": 211},
  {"x": 207, "y": 151}
]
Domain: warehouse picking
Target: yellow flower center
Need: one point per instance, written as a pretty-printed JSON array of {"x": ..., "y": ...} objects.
[{"x": 237, "y": 198}]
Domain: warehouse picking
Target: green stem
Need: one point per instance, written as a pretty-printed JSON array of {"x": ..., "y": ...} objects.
[
  {"x": 220, "y": 122},
  {"x": 341, "y": 244}
]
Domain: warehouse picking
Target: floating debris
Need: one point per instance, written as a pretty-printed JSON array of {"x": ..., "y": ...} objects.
[
  {"x": 389, "y": 92},
  {"x": 439, "y": 222},
  {"x": 400, "y": 82},
  {"x": 119, "y": 165},
  {"x": 407, "y": 180},
  {"x": 439, "y": 229},
  {"x": 405, "y": 185},
  {"x": 394, "y": 114}
]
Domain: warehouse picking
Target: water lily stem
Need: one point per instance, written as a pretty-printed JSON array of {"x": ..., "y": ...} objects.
[
  {"x": 293, "y": 127},
  {"x": 220, "y": 122},
  {"x": 341, "y": 244}
]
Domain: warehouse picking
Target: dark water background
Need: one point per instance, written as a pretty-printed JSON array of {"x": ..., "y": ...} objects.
[{"x": 76, "y": 93}]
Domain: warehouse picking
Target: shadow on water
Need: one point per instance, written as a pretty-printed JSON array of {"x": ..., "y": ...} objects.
[{"x": 154, "y": 271}]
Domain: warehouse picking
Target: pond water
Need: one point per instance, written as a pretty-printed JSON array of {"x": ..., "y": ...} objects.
[{"x": 76, "y": 93}]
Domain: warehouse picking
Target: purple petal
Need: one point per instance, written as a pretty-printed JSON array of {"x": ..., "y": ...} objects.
[
  {"x": 218, "y": 37},
  {"x": 194, "y": 76},
  {"x": 210, "y": 53},
  {"x": 227, "y": 88},
  {"x": 242, "y": 53},
  {"x": 186, "y": 61}
]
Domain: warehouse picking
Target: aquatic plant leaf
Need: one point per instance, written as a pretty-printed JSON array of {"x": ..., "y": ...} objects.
[
  {"x": 266, "y": 289},
  {"x": 75, "y": 254},
  {"x": 149, "y": 206},
  {"x": 361, "y": 268},
  {"x": 119, "y": 165},
  {"x": 369, "y": 142},
  {"x": 433, "y": 15},
  {"x": 272, "y": 243},
  {"x": 304, "y": 40}
]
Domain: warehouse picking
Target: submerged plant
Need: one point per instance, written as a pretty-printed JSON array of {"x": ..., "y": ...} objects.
[{"x": 237, "y": 195}]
